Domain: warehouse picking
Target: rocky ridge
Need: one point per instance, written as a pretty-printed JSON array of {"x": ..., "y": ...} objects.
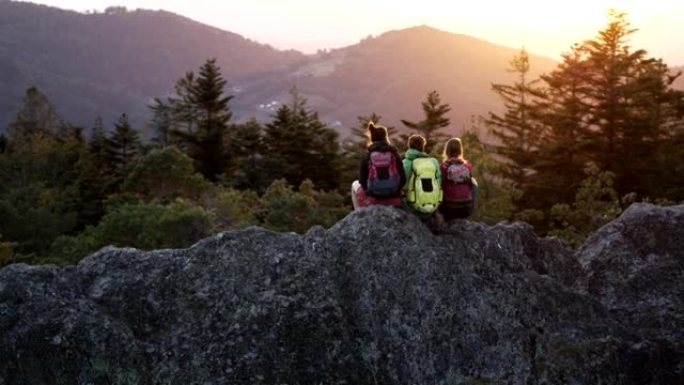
[{"x": 376, "y": 299}]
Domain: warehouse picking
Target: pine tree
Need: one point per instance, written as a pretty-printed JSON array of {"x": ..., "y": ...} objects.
[
  {"x": 431, "y": 127},
  {"x": 39, "y": 198},
  {"x": 97, "y": 179},
  {"x": 37, "y": 115},
  {"x": 299, "y": 146},
  {"x": 98, "y": 138},
  {"x": 183, "y": 111},
  {"x": 247, "y": 146},
  {"x": 630, "y": 104},
  {"x": 609, "y": 59},
  {"x": 123, "y": 147},
  {"x": 517, "y": 132},
  {"x": 605, "y": 104},
  {"x": 208, "y": 145},
  {"x": 563, "y": 143}
]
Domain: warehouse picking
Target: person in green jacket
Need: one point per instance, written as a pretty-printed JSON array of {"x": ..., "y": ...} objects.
[{"x": 423, "y": 190}]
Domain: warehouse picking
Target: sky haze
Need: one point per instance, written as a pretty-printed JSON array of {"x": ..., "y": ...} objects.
[{"x": 548, "y": 28}]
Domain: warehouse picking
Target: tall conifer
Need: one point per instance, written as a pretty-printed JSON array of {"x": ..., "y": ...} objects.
[
  {"x": 123, "y": 146},
  {"x": 204, "y": 98},
  {"x": 517, "y": 132}
]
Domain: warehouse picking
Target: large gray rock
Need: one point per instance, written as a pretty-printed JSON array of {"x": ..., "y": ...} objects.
[
  {"x": 376, "y": 299},
  {"x": 635, "y": 267}
]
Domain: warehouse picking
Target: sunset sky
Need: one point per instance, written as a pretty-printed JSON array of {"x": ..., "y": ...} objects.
[{"x": 547, "y": 28}]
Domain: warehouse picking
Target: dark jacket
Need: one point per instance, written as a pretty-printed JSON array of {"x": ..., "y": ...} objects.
[{"x": 382, "y": 147}]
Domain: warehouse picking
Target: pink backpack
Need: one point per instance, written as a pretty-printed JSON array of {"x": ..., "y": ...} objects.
[
  {"x": 383, "y": 176},
  {"x": 457, "y": 186}
]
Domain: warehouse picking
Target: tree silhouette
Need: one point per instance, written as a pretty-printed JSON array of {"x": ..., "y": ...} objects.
[
  {"x": 434, "y": 122},
  {"x": 204, "y": 102}
]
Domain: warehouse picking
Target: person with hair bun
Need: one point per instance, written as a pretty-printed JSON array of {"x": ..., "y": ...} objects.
[{"x": 381, "y": 175}]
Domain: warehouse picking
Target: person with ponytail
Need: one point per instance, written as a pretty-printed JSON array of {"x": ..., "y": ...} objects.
[{"x": 381, "y": 175}]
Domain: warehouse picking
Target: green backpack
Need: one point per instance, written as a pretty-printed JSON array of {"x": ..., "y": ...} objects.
[{"x": 424, "y": 192}]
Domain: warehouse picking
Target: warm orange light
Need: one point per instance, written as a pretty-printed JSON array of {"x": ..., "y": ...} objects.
[{"x": 547, "y": 28}]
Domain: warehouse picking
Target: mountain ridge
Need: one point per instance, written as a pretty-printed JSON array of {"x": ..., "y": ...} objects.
[
  {"x": 116, "y": 63},
  {"x": 105, "y": 64}
]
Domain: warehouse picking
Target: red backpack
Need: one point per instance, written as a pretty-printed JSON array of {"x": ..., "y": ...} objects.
[
  {"x": 383, "y": 176},
  {"x": 458, "y": 189}
]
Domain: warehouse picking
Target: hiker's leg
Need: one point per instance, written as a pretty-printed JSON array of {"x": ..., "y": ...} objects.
[
  {"x": 438, "y": 221},
  {"x": 354, "y": 191},
  {"x": 474, "y": 187}
]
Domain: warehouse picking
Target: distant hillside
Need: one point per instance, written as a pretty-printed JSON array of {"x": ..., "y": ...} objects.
[
  {"x": 392, "y": 73},
  {"x": 105, "y": 64}
]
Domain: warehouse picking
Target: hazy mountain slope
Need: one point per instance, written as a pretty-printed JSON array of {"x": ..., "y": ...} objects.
[
  {"x": 105, "y": 64},
  {"x": 392, "y": 73}
]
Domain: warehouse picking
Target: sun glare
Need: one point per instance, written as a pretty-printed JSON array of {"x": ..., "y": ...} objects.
[{"x": 547, "y": 29}]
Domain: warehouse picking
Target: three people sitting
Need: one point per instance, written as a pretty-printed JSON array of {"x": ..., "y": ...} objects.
[{"x": 418, "y": 182}]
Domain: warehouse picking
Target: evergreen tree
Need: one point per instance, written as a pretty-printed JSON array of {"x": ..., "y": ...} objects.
[
  {"x": 563, "y": 144},
  {"x": 39, "y": 197},
  {"x": 247, "y": 147},
  {"x": 98, "y": 138},
  {"x": 299, "y": 146},
  {"x": 70, "y": 132},
  {"x": 495, "y": 195},
  {"x": 208, "y": 145},
  {"x": 37, "y": 115},
  {"x": 96, "y": 181},
  {"x": 183, "y": 112},
  {"x": 605, "y": 104},
  {"x": 161, "y": 124},
  {"x": 517, "y": 132},
  {"x": 628, "y": 103},
  {"x": 596, "y": 203},
  {"x": 609, "y": 62},
  {"x": 434, "y": 122},
  {"x": 123, "y": 147},
  {"x": 163, "y": 176}
]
